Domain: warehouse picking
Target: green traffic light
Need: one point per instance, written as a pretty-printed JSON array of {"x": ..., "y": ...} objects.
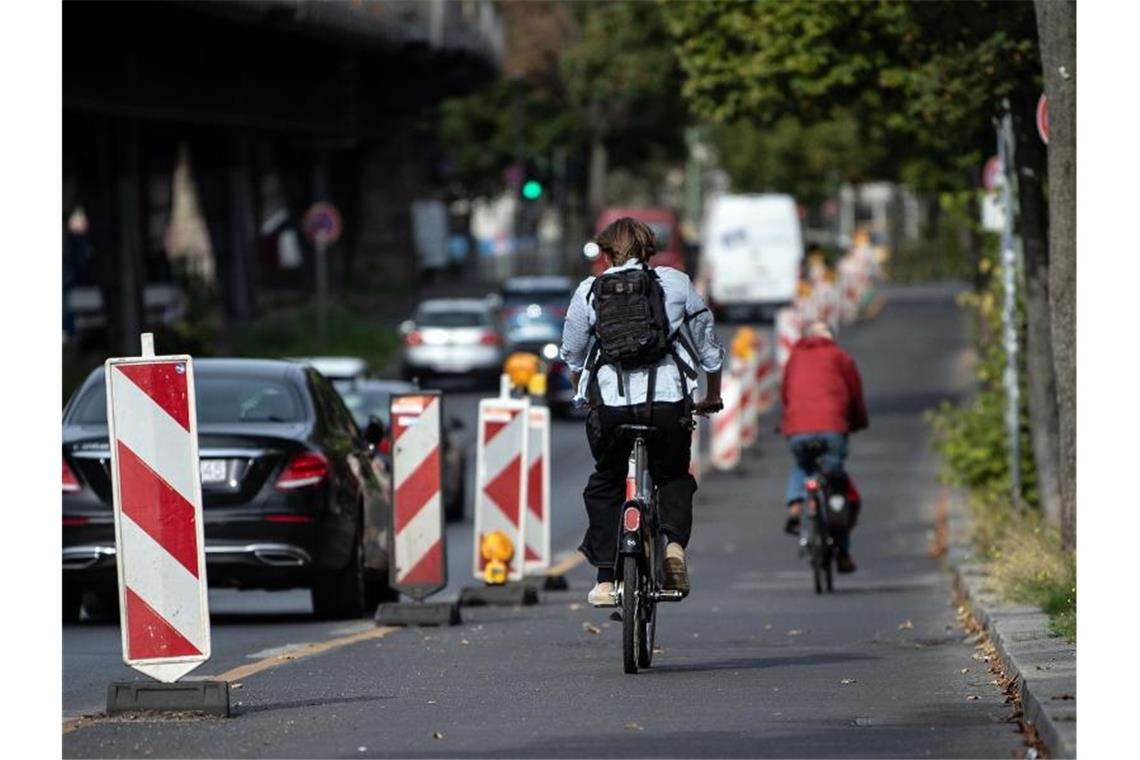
[{"x": 532, "y": 190}]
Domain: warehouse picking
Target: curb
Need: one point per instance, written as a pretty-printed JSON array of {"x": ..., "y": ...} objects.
[{"x": 1044, "y": 666}]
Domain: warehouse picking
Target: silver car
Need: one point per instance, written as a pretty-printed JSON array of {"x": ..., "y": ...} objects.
[{"x": 452, "y": 336}]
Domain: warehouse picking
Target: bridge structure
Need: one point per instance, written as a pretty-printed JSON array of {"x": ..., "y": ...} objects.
[{"x": 274, "y": 104}]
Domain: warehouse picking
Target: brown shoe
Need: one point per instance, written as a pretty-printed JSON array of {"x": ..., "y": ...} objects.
[{"x": 676, "y": 572}]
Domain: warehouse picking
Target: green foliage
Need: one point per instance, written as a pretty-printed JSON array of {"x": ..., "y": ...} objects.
[
  {"x": 922, "y": 80},
  {"x": 295, "y": 334}
]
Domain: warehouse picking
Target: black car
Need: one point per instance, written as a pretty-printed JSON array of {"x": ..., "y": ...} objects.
[
  {"x": 293, "y": 495},
  {"x": 368, "y": 399}
]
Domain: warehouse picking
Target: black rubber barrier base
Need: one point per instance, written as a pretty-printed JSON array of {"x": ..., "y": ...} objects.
[
  {"x": 418, "y": 613},
  {"x": 510, "y": 595},
  {"x": 554, "y": 583},
  {"x": 208, "y": 697}
]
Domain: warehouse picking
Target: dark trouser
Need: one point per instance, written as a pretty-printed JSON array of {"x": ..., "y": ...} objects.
[{"x": 668, "y": 467}]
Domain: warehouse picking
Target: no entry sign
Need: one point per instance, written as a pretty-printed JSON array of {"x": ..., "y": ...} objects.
[
  {"x": 157, "y": 495},
  {"x": 322, "y": 223}
]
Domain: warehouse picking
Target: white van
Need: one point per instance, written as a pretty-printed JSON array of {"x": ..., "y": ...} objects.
[{"x": 751, "y": 253}]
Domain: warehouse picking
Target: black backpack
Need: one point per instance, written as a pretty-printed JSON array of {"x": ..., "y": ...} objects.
[{"x": 631, "y": 327}]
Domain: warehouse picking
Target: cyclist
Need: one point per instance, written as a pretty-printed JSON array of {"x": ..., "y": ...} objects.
[
  {"x": 660, "y": 330},
  {"x": 822, "y": 398}
]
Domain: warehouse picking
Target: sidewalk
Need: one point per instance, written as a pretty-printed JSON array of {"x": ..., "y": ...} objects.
[{"x": 1044, "y": 666}]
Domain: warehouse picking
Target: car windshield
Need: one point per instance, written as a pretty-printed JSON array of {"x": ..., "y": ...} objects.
[
  {"x": 544, "y": 325},
  {"x": 364, "y": 404},
  {"x": 224, "y": 399},
  {"x": 457, "y": 318}
]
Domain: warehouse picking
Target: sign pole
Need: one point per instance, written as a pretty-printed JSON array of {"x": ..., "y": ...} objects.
[
  {"x": 322, "y": 290},
  {"x": 1009, "y": 324}
]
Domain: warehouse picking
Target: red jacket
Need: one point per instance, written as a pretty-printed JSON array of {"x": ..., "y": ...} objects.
[{"x": 821, "y": 390}]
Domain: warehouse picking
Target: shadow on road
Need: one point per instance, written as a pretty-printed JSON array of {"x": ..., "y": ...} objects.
[
  {"x": 249, "y": 709},
  {"x": 762, "y": 663}
]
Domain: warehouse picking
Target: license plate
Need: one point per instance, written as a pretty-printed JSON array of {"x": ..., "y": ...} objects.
[{"x": 213, "y": 470}]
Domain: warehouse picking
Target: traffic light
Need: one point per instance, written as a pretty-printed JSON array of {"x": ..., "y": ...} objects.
[{"x": 532, "y": 190}]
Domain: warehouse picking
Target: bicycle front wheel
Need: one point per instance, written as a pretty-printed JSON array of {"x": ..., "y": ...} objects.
[{"x": 630, "y": 626}]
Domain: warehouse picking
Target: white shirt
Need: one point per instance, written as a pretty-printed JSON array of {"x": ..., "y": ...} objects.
[{"x": 681, "y": 302}]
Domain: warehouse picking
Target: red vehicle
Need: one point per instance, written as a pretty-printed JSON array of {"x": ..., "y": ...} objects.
[{"x": 662, "y": 221}]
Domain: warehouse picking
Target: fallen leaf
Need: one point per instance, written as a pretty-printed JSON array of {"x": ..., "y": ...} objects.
[
  {"x": 906, "y": 625},
  {"x": 237, "y": 685},
  {"x": 972, "y": 698},
  {"x": 464, "y": 642},
  {"x": 362, "y": 749},
  {"x": 658, "y": 649},
  {"x": 847, "y": 681},
  {"x": 575, "y": 607},
  {"x": 795, "y": 632},
  {"x": 589, "y": 627},
  {"x": 965, "y": 670},
  {"x": 696, "y": 635},
  {"x": 436, "y": 735},
  {"x": 431, "y": 701},
  {"x": 633, "y": 727},
  {"x": 768, "y": 627}
]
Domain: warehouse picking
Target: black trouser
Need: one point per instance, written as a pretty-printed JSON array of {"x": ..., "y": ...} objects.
[{"x": 668, "y": 467}]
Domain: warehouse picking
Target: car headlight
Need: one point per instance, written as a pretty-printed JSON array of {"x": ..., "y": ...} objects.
[{"x": 550, "y": 351}]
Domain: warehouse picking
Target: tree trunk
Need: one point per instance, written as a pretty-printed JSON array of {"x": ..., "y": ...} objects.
[
  {"x": 1029, "y": 160},
  {"x": 1057, "y": 32},
  {"x": 598, "y": 163}
]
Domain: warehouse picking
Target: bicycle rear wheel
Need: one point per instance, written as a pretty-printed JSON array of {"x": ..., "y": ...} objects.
[
  {"x": 631, "y": 629},
  {"x": 828, "y": 564},
  {"x": 648, "y": 619}
]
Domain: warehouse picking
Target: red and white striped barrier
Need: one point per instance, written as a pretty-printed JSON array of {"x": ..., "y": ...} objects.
[
  {"x": 537, "y": 523},
  {"x": 726, "y": 424},
  {"x": 418, "y": 559},
  {"x": 767, "y": 378},
  {"x": 749, "y": 424},
  {"x": 788, "y": 329},
  {"x": 500, "y": 478},
  {"x": 157, "y": 493}
]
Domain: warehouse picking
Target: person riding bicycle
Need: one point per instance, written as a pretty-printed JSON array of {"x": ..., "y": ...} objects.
[
  {"x": 822, "y": 397},
  {"x": 633, "y": 339}
]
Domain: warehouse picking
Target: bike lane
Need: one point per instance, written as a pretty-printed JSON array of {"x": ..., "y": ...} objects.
[{"x": 752, "y": 664}]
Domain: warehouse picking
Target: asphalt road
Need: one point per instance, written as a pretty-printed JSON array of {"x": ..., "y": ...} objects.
[{"x": 752, "y": 664}]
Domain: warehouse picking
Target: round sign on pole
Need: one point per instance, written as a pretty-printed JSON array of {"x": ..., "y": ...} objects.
[
  {"x": 992, "y": 174},
  {"x": 1043, "y": 118},
  {"x": 322, "y": 223}
]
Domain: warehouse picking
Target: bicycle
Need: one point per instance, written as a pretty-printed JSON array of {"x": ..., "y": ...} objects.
[
  {"x": 640, "y": 567},
  {"x": 825, "y": 517}
]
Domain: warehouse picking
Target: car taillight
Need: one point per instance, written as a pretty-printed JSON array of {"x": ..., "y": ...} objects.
[
  {"x": 70, "y": 482},
  {"x": 414, "y": 338},
  {"x": 489, "y": 338},
  {"x": 305, "y": 469},
  {"x": 631, "y": 519}
]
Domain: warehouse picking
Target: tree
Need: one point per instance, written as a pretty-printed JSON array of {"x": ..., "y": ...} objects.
[
  {"x": 1057, "y": 26},
  {"x": 924, "y": 81}
]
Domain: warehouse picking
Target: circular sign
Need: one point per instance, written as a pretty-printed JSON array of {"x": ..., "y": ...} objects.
[
  {"x": 1043, "y": 119},
  {"x": 322, "y": 223},
  {"x": 992, "y": 174}
]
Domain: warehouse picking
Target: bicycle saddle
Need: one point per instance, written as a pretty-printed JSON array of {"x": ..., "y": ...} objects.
[{"x": 633, "y": 431}]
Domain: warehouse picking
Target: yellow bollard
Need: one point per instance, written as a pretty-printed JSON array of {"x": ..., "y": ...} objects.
[{"x": 744, "y": 343}]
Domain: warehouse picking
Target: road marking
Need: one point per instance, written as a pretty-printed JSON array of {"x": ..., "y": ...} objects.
[
  {"x": 303, "y": 651},
  {"x": 292, "y": 655},
  {"x": 567, "y": 564}
]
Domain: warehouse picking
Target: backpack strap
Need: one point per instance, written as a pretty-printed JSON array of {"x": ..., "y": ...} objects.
[{"x": 690, "y": 317}]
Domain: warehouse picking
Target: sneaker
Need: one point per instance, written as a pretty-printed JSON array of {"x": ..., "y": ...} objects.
[
  {"x": 602, "y": 595},
  {"x": 843, "y": 562},
  {"x": 792, "y": 524},
  {"x": 676, "y": 571}
]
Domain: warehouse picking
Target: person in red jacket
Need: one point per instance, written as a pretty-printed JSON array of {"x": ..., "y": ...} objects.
[{"x": 822, "y": 398}]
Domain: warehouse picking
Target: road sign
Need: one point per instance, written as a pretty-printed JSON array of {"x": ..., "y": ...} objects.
[
  {"x": 500, "y": 478},
  {"x": 419, "y": 553},
  {"x": 157, "y": 494},
  {"x": 322, "y": 223},
  {"x": 993, "y": 174},
  {"x": 1043, "y": 118}
]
